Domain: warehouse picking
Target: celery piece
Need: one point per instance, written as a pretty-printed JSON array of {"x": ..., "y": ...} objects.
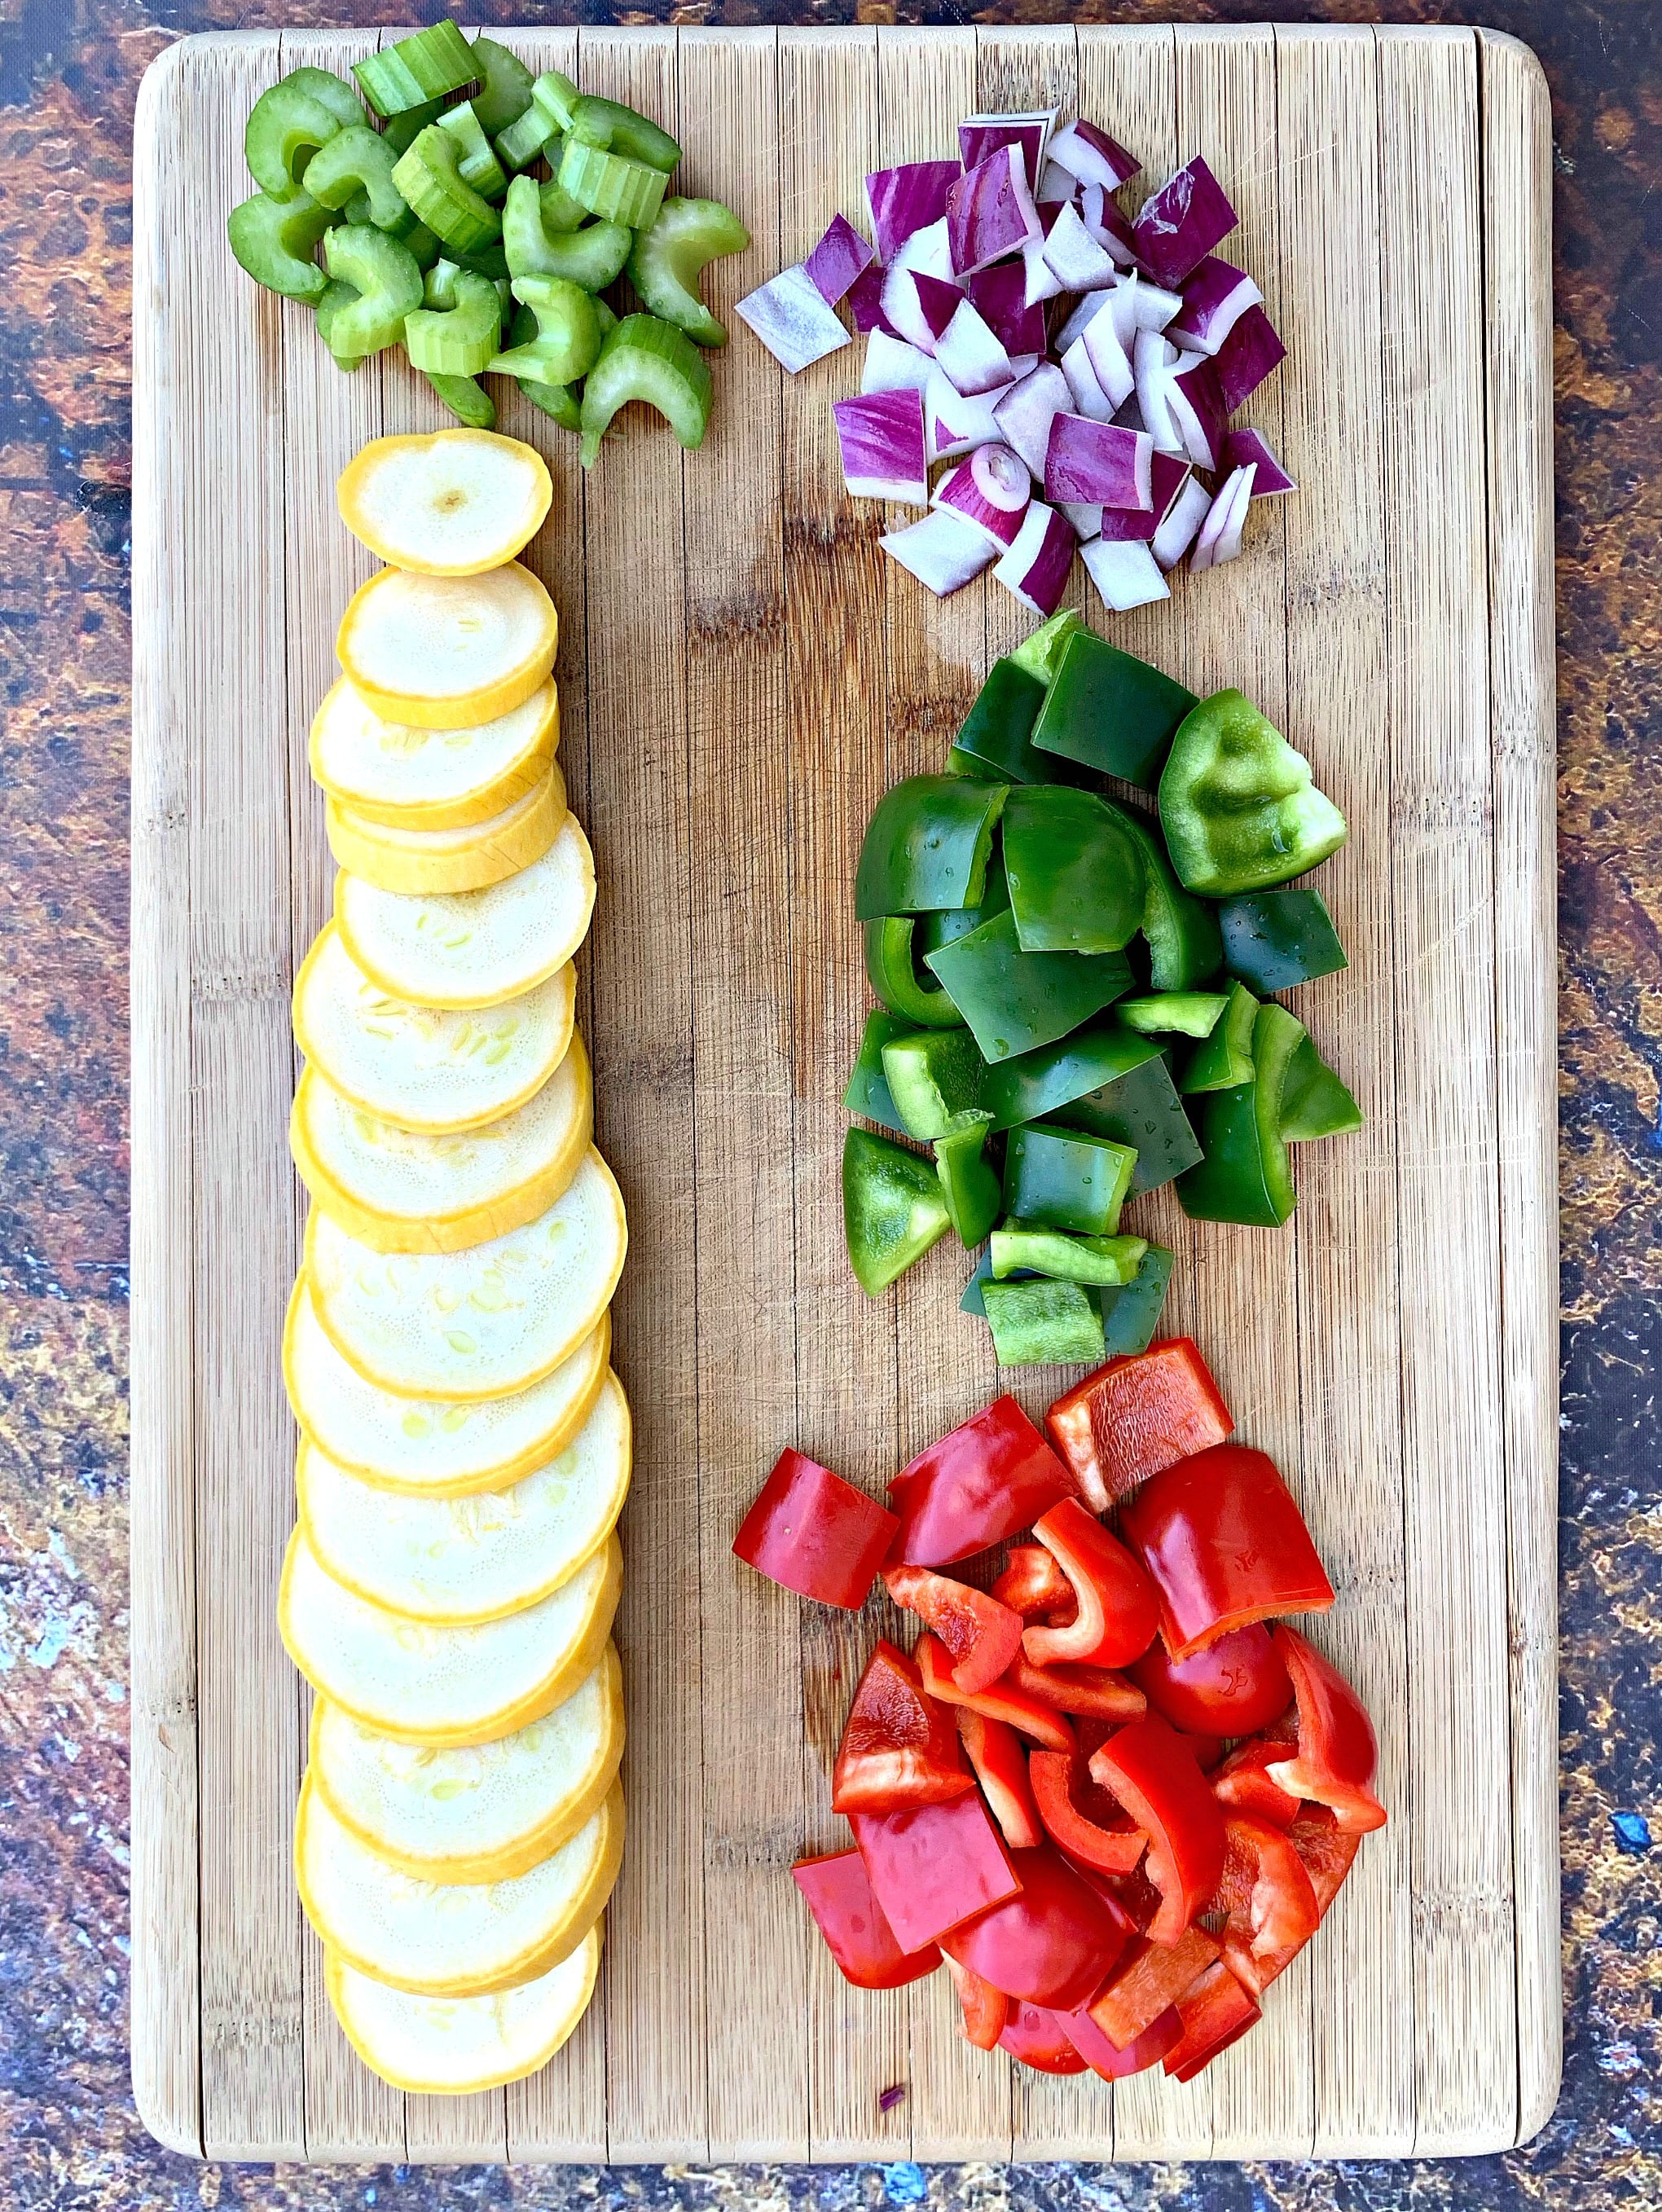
[
  {"x": 356, "y": 165},
  {"x": 666, "y": 262},
  {"x": 504, "y": 83},
  {"x": 273, "y": 239},
  {"x": 608, "y": 126},
  {"x": 611, "y": 185},
  {"x": 335, "y": 298},
  {"x": 561, "y": 211},
  {"x": 424, "y": 66},
  {"x": 383, "y": 274},
  {"x": 485, "y": 261},
  {"x": 401, "y": 131},
  {"x": 429, "y": 175},
  {"x": 289, "y": 122},
  {"x": 568, "y": 340},
  {"x": 650, "y": 361},
  {"x": 535, "y": 132},
  {"x": 557, "y": 97},
  {"x": 467, "y": 399},
  {"x": 460, "y": 338},
  {"x": 559, "y": 402},
  {"x": 476, "y": 158},
  {"x": 592, "y": 256}
]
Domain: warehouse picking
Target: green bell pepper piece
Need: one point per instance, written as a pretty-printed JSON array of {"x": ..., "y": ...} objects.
[
  {"x": 1131, "y": 1316},
  {"x": 994, "y": 742},
  {"x": 1274, "y": 939},
  {"x": 946, "y": 925},
  {"x": 460, "y": 337},
  {"x": 935, "y": 1076},
  {"x": 1237, "y": 804},
  {"x": 1038, "y": 1085},
  {"x": 1224, "y": 1058},
  {"x": 1110, "y": 711},
  {"x": 467, "y": 399},
  {"x": 1144, "y": 1110},
  {"x": 358, "y": 160},
  {"x": 568, "y": 341},
  {"x": 1184, "y": 944},
  {"x": 383, "y": 274},
  {"x": 927, "y": 847},
  {"x": 868, "y": 1091},
  {"x": 647, "y": 359},
  {"x": 893, "y": 1208},
  {"x": 425, "y": 66},
  {"x": 1102, "y": 1262},
  {"x": 891, "y": 970},
  {"x": 428, "y": 173},
  {"x": 611, "y": 185},
  {"x": 1042, "y": 1324},
  {"x": 667, "y": 260},
  {"x": 1057, "y": 1178},
  {"x": 273, "y": 240},
  {"x": 1075, "y": 879},
  {"x": 1015, "y": 1001},
  {"x": 504, "y": 83},
  {"x": 1314, "y": 1103},
  {"x": 1245, "y": 1174},
  {"x": 608, "y": 126},
  {"x": 289, "y": 122},
  {"x": 971, "y": 1301},
  {"x": 969, "y": 1183},
  {"x": 476, "y": 156},
  {"x": 592, "y": 256},
  {"x": 1173, "y": 1013},
  {"x": 1041, "y": 655}
]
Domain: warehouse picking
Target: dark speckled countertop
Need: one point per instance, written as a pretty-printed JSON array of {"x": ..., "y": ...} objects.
[{"x": 68, "y": 2136}]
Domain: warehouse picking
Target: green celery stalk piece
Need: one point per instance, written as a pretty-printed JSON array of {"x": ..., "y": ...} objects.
[
  {"x": 568, "y": 339},
  {"x": 1102, "y": 1262},
  {"x": 1314, "y": 1103},
  {"x": 610, "y": 186},
  {"x": 358, "y": 160},
  {"x": 427, "y": 65},
  {"x": 467, "y": 399},
  {"x": 667, "y": 260},
  {"x": 647, "y": 359},
  {"x": 893, "y": 1208},
  {"x": 1042, "y": 1324},
  {"x": 476, "y": 156},
  {"x": 459, "y": 339},
  {"x": 592, "y": 257},
  {"x": 428, "y": 173},
  {"x": 1225, "y": 1057},
  {"x": 290, "y": 122},
  {"x": 1131, "y": 1315},
  {"x": 383, "y": 274},
  {"x": 273, "y": 240},
  {"x": 504, "y": 83},
  {"x": 1174, "y": 1013},
  {"x": 610, "y": 127}
]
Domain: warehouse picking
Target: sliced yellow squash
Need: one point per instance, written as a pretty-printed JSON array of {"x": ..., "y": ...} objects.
[
  {"x": 449, "y": 503},
  {"x": 473, "y": 948},
  {"x": 414, "y": 779},
  {"x": 446, "y": 652},
  {"x": 416, "y": 861}
]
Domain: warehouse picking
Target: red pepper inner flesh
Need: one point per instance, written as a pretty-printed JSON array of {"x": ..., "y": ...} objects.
[
  {"x": 1137, "y": 1415},
  {"x": 899, "y": 1747},
  {"x": 1116, "y": 1615},
  {"x": 1153, "y": 1773},
  {"x": 981, "y": 1635}
]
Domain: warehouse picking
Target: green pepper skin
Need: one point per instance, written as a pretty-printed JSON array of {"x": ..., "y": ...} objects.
[
  {"x": 1314, "y": 1102},
  {"x": 1110, "y": 711},
  {"x": 1014, "y": 1001},
  {"x": 934, "y": 1078},
  {"x": 612, "y": 128},
  {"x": 459, "y": 339},
  {"x": 666, "y": 262},
  {"x": 467, "y": 399},
  {"x": 1131, "y": 1316},
  {"x": 358, "y": 159},
  {"x": 970, "y": 1182},
  {"x": 1144, "y": 1110},
  {"x": 1184, "y": 945},
  {"x": 1274, "y": 939},
  {"x": 386, "y": 279},
  {"x": 1075, "y": 879},
  {"x": 647, "y": 359},
  {"x": 893, "y": 1208},
  {"x": 1064, "y": 1179},
  {"x": 891, "y": 970},
  {"x": 1101, "y": 1262},
  {"x": 1173, "y": 1013},
  {"x": 1041, "y": 655},
  {"x": 1245, "y": 1174},
  {"x": 1039, "y": 1084},
  {"x": 1237, "y": 804},
  {"x": 273, "y": 240},
  {"x": 1224, "y": 1057},
  {"x": 592, "y": 256},
  {"x": 927, "y": 847},
  {"x": 288, "y": 124},
  {"x": 868, "y": 1091},
  {"x": 994, "y": 742},
  {"x": 567, "y": 341},
  {"x": 505, "y": 86},
  {"x": 1042, "y": 1324}
]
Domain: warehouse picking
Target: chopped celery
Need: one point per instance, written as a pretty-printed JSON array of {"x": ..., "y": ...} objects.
[
  {"x": 335, "y": 298},
  {"x": 476, "y": 157},
  {"x": 383, "y": 274},
  {"x": 558, "y": 401},
  {"x": 667, "y": 260},
  {"x": 611, "y": 185},
  {"x": 288, "y": 124},
  {"x": 273, "y": 240},
  {"x": 429, "y": 175},
  {"x": 592, "y": 256},
  {"x": 608, "y": 126},
  {"x": 467, "y": 399},
  {"x": 357, "y": 162},
  {"x": 401, "y": 131},
  {"x": 424, "y": 66},
  {"x": 504, "y": 83},
  {"x": 557, "y": 96},
  {"x": 461, "y": 338},
  {"x": 568, "y": 340},
  {"x": 647, "y": 359},
  {"x": 533, "y": 133}
]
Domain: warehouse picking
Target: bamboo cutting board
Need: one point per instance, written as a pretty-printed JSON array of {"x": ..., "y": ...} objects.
[{"x": 742, "y": 674}]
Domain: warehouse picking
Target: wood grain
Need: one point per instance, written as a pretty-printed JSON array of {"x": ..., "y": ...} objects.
[{"x": 742, "y": 673}]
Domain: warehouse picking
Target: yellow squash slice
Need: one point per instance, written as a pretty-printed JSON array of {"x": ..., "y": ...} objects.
[
  {"x": 419, "y": 861},
  {"x": 446, "y": 652},
  {"x": 473, "y": 948},
  {"x": 451, "y": 2046},
  {"x": 413, "y": 779},
  {"x": 417, "y": 1067},
  {"x": 485, "y": 1814},
  {"x": 446, "y": 504},
  {"x": 400, "y": 1191},
  {"x": 478, "y": 1323},
  {"x": 451, "y": 1939},
  {"x": 422, "y": 1450},
  {"x": 445, "y": 1685}
]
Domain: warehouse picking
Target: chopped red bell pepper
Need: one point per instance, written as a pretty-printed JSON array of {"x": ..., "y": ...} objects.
[
  {"x": 1052, "y": 1944},
  {"x": 1150, "y": 1979},
  {"x": 1228, "y": 1687},
  {"x": 1000, "y": 1761},
  {"x": 1116, "y": 1615},
  {"x": 981, "y": 1635},
  {"x": 1082, "y": 1819},
  {"x": 899, "y": 1747},
  {"x": 1243, "y": 1784},
  {"x": 1136, "y": 1415},
  {"x": 1266, "y": 1891},
  {"x": 1095, "y": 1690},
  {"x": 811, "y": 1532},
  {"x": 987, "y": 1480},
  {"x": 933, "y": 1866},
  {"x": 1337, "y": 1752},
  {"x": 1216, "y": 2012},
  {"x": 858, "y": 1936},
  {"x": 1004, "y": 1702},
  {"x": 1152, "y": 1772},
  {"x": 1328, "y": 1853},
  {"x": 1208, "y": 1749},
  {"x": 1038, "y": 2037},
  {"x": 1224, "y": 1539},
  {"x": 984, "y": 2009},
  {"x": 1104, "y": 2057},
  {"x": 1033, "y": 1585}
]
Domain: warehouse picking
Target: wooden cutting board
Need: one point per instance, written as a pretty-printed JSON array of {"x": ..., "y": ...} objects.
[{"x": 743, "y": 672}]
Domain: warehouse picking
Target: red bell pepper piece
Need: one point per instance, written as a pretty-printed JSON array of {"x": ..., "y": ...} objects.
[
  {"x": 1033, "y": 1585},
  {"x": 1000, "y": 1761},
  {"x": 1208, "y": 1749},
  {"x": 1328, "y": 1853},
  {"x": 857, "y": 1934},
  {"x": 1116, "y": 1613},
  {"x": 983, "y": 1482},
  {"x": 1242, "y": 1784},
  {"x": 899, "y": 1747},
  {"x": 1148, "y": 1980},
  {"x": 932, "y": 1865},
  {"x": 1231, "y": 1687},
  {"x": 1336, "y": 1753},
  {"x": 811, "y": 1532},
  {"x": 984, "y": 2009},
  {"x": 1016, "y": 1708},
  {"x": 1038, "y": 2037},
  {"x": 1216, "y": 2012},
  {"x": 1266, "y": 1893},
  {"x": 1052, "y": 1944},
  {"x": 1135, "y": 1416},
  {"x": 1152, "y": 1772},
  {"x": 1083, "y": 1820},
  {"x": 982, "y": 1635},
  {"x": 1224, "y": 1539},
  {"x": 1105, "y": 2057},
  {"x": 1095, "y": 1690}
]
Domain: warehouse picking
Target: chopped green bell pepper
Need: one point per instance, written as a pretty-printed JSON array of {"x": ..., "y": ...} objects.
[
  {"x": 1245, "y": 1174},
  {"x": 504, "y": 83},
  {"x": 289, "y": 122},
  {"x": 475, "y": 155},
  {"x": 970, "y": 1301},
  {"x": 1103, "y": 1262},
  {"x": 891, "y": 970},
  {"x": 1131, "y": 1316},
  {"x": 1075, "y": 879},
  {"x": 358, "y": 160},
  {"x": 1038, "y": 1085},
  {"x": 383, "y": 274},
  {"x": 934, "y": 1078},
  {"x": 1184, "y": 945},
  {"x": 893, "y": 1208},
  {"x": 1057, "y": 1178},
  {"x": 1015, "y": 1001},
  {"x": 1111, "y": 711},
  {"x": 1144, "y": 1110},
  {"x": 1224, "y": 1057},
  {"x": 1042, "y": 1323},
  {"x": 1041, "y": 655},
  {"x": 994, "y": 742},
  {"x": 968, "y": 1182},
  {"x": 568, "y": 341},
  {"x": 1274, "y": 939},
  {"x": 1314, "y": 1103},
  {"x": 647, "y": 359},
  {"x": 273, "y": 240},
  {"x": 667, "y": 260},
  {"x": 946, "y": 925},
  {"x": 425, "y": 66},
  {"x": 1237, "y": 804},
  {"x": 428, "y": 173},
  {"x": 1173, "y": 1013},
  {"x": 927, "y": 847},
  {"x": 868, "y": 1091}
]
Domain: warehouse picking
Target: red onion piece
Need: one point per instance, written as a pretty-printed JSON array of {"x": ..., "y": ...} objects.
[
  {"x": 918, "y": 306},
  {"x": 990, "y": 211},
  {"x": 1000, "y": 296},
  {"x": 1197, "y": 410},
  {"x": 1037, "y": 567},
  {"x": 792, "y": 320},
  {"x": 981, "y": 134},
  {"x": 883, "y": 455},
  {"x": 906, "y": 200},
  {"x": 1093, "y": 463},
  {"x": 891, "y": 365},
  {"x": 1221, "y": 533},
  {"x": 1126, "y": 574},
  {"x": 1177, "y": 533},
  {"x": 942, "y": 551},
  {"x": 1131, "y": 526},
  {"x": 1182, "y": 223},
  {"x": 1109, "y": 226},
  {"x": 837, "y": 259},
  {"x": 1246, "y": 357},
  {"x": 1026, "y": 411},
  {"x": 1109, "y": 360},
  {"x": 865, "y": 300},
  {"x": 1042, "y": 282},
  {"x": 1076, "y": 259},
  {"x": 1252, "y": 449},
  {"x": 1214, "y": 298},
  {"x": 1155, "y": 360},
  {"x": 1001, "y": 480},
  {"x": 1089, "y": 397},
  {"x": 1086, "y": 520},
  {"x": 956, "y": 424},
  {"x": 1093, "y": 157},
  {"x": 960, "y": 492},
  {"x": 1055, "y": 188},
  {"x": 970, "y": 353}
]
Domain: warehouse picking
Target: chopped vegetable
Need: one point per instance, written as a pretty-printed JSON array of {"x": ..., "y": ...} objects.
[
  {"x": 477, "y": 159},
  {"x": 1179, "y": 225},
  {"x": 384, "y": 275},
  {"x": 1243, "y": 448},
  {"x": 1242, "y": 1781},
  {"x": 1225, "y": 1058},
  {"x": 1328, "y": 1852},
  {"x": 1042, "y": 1323},
  {"x": 668, "y": 259},
  {"x": 1051, "y": 1945},
  {"x": 792, "y": 320},
  {"x": 1244, "y": 1174},
  {"x": 999, "y": 295},
  {"x": 1274, "y": 939},
  {"x": 899, "y": 1748},
  {"x": 986, "y": 2010},
  {"x": 969, "y": 1185},
  {"x": 644, "y": 359},
  {"x": 1058, "y": 1178},
  {"x": 1076, "y": 876},
  {"x": 990, "y": 211},
  {"x": 422, "y": 67},
  {"x": 568, "y": 338},
  {"x": 927, "y": 846},
  {"x": 429, "y": 175},
  {"x": 811, "y": 1532},
  {"x": 357, "y": 160},
  {"x": 1099, "y": 464},
  {"x": 891, "y": 970},
  {"x": 981, "y": 1636},
  {"x": 460, "y": 337},
  {"x": 1025, "y": 413},
  {"x": 1098, "y": 1261},
  {"x": 882, "y": 437},
  {"x": 1111, "y": 712},
  {"x": 981, "y": 134},
  {"x": 1080, "y": 1818},
  {"x": 1314, "y": 1103},
  {"x": 1232, "y": 1686},
  {"x": 978, "y": 1485},
  {"x": 1337, "y": 1753},
  {"x": 1036, "y": 2035},
  {"x": 838, "y": 1894},
  {"x": 1015, "y": 1001},
  {"x": 1216, "y": 2011},
  {"x": 1131, "y": 1315},
  {"x": 607, "y": 126},
  {"x": 1033, "y": 1585},
  {"x": 1151, "y": 1771},
  {"x": 273, "y": 240},
  {"x": 934, "y": 1867},
  {"x": 1036, "y": 1085},
  {"x": 1107, "y": 2059},
  {"x": 1091, "y": 157},
  {"x": 505, "y": 86},
  {"x": 990, "y": 491},
  {"x": 1003, "y": 1702},
  {"x": 906, "y": 200},
  {"x": 868, "y": 1091},
  {"x": 1220, "y": 534},
  {"x": 1035, "y": 569},
  {"x": 288, "y": 124},
  {"x": 591, "y": 256},
  {"x": 1182, "y": 1014},
  {"x": 1137, "y": 1416},
  {"x": 1098, "y": 1692},
  {"x": 942, "y": 551},
  {"x": 1115, "y": 1617},
  {"x": 1267, "y": 1896},
  {"x": 837, "y": 259},
  {"x": 1149, "y": 1979},
  {"x": 1247, "y": 356},
  {"x": 1144, "y": 1110},
  {"x": 893, "y": 1209}
]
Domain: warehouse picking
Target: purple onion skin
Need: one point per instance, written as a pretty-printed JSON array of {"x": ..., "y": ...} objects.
[
  {"x": 1182, "y": 223},
  {"x": 838, "y": 260},
  {"x": 865, "y": 300},
  {"x": 1246, "y": 356},
  {"x": 907, "y": 199}
]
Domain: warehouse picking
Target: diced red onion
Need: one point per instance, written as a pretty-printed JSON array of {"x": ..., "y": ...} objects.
[
  {"x": 1167, "y": 474},
  {"x": 1246, "y": 357},
  {"x": 1220, "y": 538},
  {"x": 1089, "y": 397},
  {"x": 882, "y": 437},
  {"x": 792, "y": 320},
  {"x": 837, "y": 259},
  {"x": 1154, "y": 360},
  {"x": 1252, "y": 449},
  {"x": 1177, "y": 533},
  {"x": 1093, "y": 157},
  {"x": 981, "y": 134},
  {"x": 942, "y": 551},
  {"x": 1109, "y": 226},
  {"x": 892, "y": 365},
  {"x": 906, "y": 200},
  {"x": 970, "y": 352},
  {"x": 1037, "y": 567},
  {"x": 929, "y": 250},
  {"x": 1109, "y": 359},
  {"x": 918, "y": 306},
  {"x": 1126, "y": 575},
  {"x": 1086, "y": 520},
  {"x": 990, "y": 211},
  {"x": 955, "y": 424},
  {"x": 865, "y": 299},
  {"x": 1026, "y": 411},
  {"x": 1093, "y": 463},
  {"x": 1073, "y": 325},
  {"x": 1055, "y": 185},
  {"x": 1000, "y": 296},
  {"x": 961, "y": 491},
  {"x": 1181, "y": 224},
  {"x": 1042, "y": 282},
  {"x": 1076, "y": 259},
  {"x": 1214, "y": 298},
  {"x": 1197, "y": 411},
  {"x": 1000, "y": 478}
]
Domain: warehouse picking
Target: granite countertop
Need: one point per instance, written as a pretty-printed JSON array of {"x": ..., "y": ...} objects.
[{"x": 68, "y": 2136}]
